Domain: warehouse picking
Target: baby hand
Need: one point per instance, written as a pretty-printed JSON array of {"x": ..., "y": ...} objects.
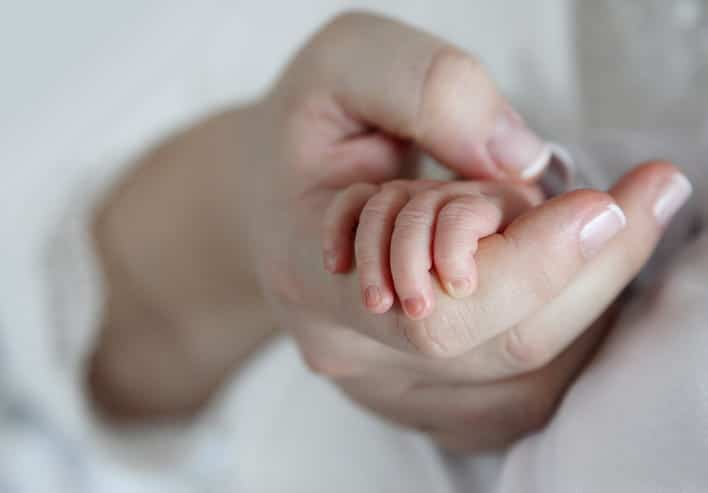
[{"x": 402, "y": 232}]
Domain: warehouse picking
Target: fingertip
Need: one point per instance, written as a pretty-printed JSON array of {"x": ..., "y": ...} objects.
[
  {"x": 377, "y": 300},
  {"x": 458, "y": 288},
  {"x": 417, "y": 307},
  {"x": 461, "y": 287}
]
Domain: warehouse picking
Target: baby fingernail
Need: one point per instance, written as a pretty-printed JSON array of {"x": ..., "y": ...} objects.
[
  {"x": 601, "y": 229},
  {"x": 414, "y": 307},
  {"x": 372, "y": 297},
  {"x": 516, "y": 149},
  {"x": 459, "y": 288},
  {"x": 672, "y": 197}
]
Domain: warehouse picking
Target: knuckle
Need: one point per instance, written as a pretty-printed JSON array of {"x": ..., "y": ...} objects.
[
  {"x": 366, "y": 253},
  {"x": 461, "y": 214},
  {"x": 522, "y": 355},
  {"x": 452, "y": 253},
  {"x": 449, "y": 68},
  {"x": 377, "y": 209},
  {"x": 419, "y": 212},
  {"x": 367, "y": 259},
  {"x": 340, "y": 27},
  {"x": 448, "y": 257},
  {"x": 328, "y": 366},
  {"x": 631, "y": 259},
  {"x": 299, "y": 107},
  {"x": 413, "y": 218}
]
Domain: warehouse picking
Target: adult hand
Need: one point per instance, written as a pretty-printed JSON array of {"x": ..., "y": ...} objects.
[{"x": 478, "y": 371}]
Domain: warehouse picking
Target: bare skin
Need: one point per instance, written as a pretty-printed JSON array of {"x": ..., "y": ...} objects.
[
  {"x": 184, "y": 307},
  {"x": 216, "y": 238}
]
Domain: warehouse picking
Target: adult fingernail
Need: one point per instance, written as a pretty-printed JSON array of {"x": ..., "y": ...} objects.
[
  {"x": 671, "y": 198},
  {"x": 516, "y": 149},
  {"x": 601, "y": 229},
  {"x": 414, "y": 307},
  {"x": 459, "y": 288}
]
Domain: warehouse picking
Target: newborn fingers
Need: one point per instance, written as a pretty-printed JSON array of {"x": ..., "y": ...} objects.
[
  {"x": 372, "y": 247},
  {"x": 340, "y": 222},
  {"x": 440, "y": 227},
  {"x": 462, "y": 222},
  {"x": 403, "y": 229},
  {"x": 373, "y": 240}
]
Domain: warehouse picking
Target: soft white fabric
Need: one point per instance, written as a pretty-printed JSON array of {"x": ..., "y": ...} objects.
[{"x": 87, "y": 85}]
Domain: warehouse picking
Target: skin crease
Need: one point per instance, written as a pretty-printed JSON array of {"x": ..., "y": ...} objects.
[{"x": 215, "y": 238}]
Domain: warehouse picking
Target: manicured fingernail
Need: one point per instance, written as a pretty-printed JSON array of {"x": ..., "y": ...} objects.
[
  {"x": 372, "y": 297},
  {"x": 516, "y": 149},
  {"x": 414, "y": 307},
  {"x": 459, "y": 288},
  {"x": 330, "y": 260},
  {"x": 672, "y": 197},
  {"x": 601, "y": 229}
]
